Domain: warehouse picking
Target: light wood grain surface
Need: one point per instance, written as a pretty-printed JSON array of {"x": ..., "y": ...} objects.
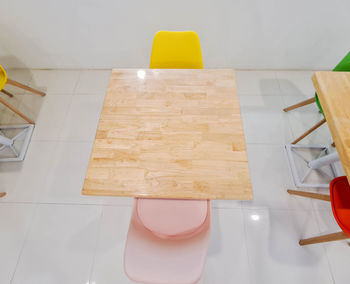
[
  {"x": 170, "y": 134},
  {"x": 333, "y": 90}
]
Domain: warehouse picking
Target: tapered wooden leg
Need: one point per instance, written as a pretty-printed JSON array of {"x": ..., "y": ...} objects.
[
  {"x": 7, "y": 93},
  {"x": 313, "y": 195},
  {"x": 303, "y": 103},
  {"x": 2, "y": 194},
  {"x": 325, "y": 238},
  {"x": 19, "y": 85},
  {"x": 16, "y": 111},
  {"x": 309, "y": 131}
]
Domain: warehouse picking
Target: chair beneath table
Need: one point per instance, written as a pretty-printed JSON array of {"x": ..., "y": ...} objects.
[
  {"x": 168, "y": 238},
  {"x": 340, "y": 201},
  {"x": 343, "y": 66},
  {"x": 5, "y": 80}
]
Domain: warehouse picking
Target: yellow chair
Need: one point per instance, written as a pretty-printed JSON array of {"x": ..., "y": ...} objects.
[
  {"x": 5, "y": 80},
  {"x": 176, "y": 50}
]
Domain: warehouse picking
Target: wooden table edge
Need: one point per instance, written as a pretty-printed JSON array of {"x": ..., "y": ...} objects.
[
  {"x": 108, "y": 193},
  {"x": 331, "y": 126}
]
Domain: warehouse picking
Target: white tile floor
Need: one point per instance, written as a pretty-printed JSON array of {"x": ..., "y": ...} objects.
[{"x": 50, "y": 233}]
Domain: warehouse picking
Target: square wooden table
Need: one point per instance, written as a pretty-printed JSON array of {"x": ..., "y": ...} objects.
[
  {"x": 333, "y": 90},
  {"x": 170, "y": 133}
]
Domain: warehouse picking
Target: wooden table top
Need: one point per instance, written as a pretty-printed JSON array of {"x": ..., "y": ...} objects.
[
  {"x": 170, "y": 133},
  {"x": 333, "y": 90}
]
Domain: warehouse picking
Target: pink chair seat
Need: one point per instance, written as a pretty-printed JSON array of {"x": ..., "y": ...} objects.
[
  {"x": 171, "y": 218},
  {"x": 156, "y": 253}
]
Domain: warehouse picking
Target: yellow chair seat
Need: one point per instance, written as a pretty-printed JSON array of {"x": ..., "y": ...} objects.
[
  {"x": 176, "y": 50},
  {"x": 3, "y": 77}
]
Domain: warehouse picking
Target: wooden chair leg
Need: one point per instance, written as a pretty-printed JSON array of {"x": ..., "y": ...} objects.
[
  {"x": 313, "y": 195},
  {"x": 2, "y": 194},
  {"x": 325, "y": 238},
  {"x": 6, "y": 93},
  {"x": 19, "y": 85},
  {"x": 317, "y": 125},
  {"x": 16, "y": 111},
  {"x": 298, "y": 105}
]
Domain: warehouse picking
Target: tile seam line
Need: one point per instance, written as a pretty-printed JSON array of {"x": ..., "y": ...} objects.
[
  {"x": 125, "y": 205},
  {"x": 324, "y": 247},
  {"x": 62, "y": 203},
  {"x": 96, "y": 244},
  {"x": 251, "y": 277},
  {"x": 77, "y": 82},
  {"x": 59, "y": 132},
  {"x": 24, "y": 243}
]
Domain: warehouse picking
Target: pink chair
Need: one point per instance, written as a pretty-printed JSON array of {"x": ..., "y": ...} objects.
[{"x": 167, "y": 241}]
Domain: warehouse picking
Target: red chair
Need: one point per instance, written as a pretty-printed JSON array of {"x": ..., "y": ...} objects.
[{"x": 340, "y": 199}]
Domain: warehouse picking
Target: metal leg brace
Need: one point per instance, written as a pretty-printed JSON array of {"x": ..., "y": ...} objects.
[
  {"x": 15, "y": 153},
  {"x": 312, "y": 165}
]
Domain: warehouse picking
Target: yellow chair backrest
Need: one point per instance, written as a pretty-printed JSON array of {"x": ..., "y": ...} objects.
[
  {"x": 3, "y": 77},
  {"x": 176, "y": 50}
]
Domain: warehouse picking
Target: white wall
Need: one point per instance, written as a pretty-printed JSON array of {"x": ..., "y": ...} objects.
[{"x": 249, "y": 34}]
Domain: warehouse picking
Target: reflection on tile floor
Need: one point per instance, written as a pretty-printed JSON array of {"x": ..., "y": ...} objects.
[{"x": 50, "y": 233}]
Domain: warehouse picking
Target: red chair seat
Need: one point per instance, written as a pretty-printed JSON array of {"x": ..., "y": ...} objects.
[{"x": 340, "y": 199}]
